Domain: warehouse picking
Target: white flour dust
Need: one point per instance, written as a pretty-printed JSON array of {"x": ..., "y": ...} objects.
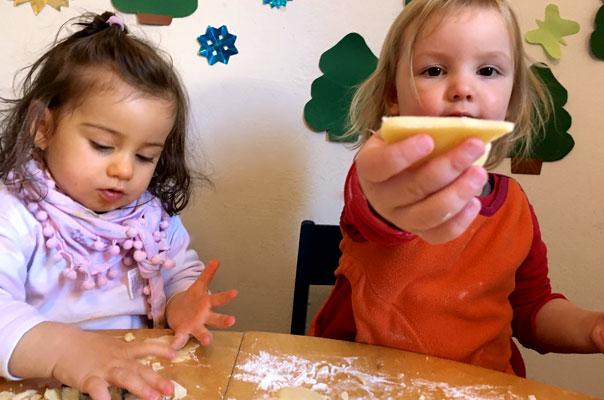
[{"x": 349, "y": 374}]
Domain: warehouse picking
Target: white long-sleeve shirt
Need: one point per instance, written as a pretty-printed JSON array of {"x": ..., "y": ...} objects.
[{"x": 32, "y": 289}]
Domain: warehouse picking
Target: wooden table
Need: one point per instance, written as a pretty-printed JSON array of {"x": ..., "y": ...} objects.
[{"x": 255, "y": 365}]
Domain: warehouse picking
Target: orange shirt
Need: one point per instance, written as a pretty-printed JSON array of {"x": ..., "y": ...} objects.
[{"x": 449, "y": 300}]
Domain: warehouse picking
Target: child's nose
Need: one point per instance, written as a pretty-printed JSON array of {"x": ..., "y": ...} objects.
[
  {"x": 121, "y": 168},
  {"x": 461, "y": 88}
]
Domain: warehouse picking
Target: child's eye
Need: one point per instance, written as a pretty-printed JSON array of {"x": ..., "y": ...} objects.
[
  {"x": 433, "y": 71},
  {"x": 488, "y": 71},
  {"x": 98, "y": 146},
  {"x": 145, "y": 159}
]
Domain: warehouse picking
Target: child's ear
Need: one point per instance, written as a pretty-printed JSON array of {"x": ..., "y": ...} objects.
[
  {"x": 44, "y": 132},
  {"x": 392, "y": 107}
]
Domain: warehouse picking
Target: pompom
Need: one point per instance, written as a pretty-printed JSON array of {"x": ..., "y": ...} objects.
[
  {"x": 169, "y": 264},
  {"x": 139, "y": 255},
  {"x": 70, "y": 274},
  {"x": 41, "y": 216},
  {"x": 111, "y": 273},
  {"x": 87, "y": 285},
  {"x": 52, "y": 243}
]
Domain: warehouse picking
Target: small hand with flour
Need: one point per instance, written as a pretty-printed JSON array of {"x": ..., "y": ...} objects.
[
  {"x": 90, "y": 362},
  {"x": 190, "y": 312},
  {"x": 436, "y": 200}
]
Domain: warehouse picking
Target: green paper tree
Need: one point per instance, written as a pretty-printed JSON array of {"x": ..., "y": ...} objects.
[
  {"x": 596, "y": 40},
  {"x": 344, "y": 67},
  {"x": 553, "y": 143},
  {"x": 157, "y": 12}
]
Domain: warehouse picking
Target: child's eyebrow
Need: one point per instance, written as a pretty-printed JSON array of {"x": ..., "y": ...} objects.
[{"x": 118, "y": 133}]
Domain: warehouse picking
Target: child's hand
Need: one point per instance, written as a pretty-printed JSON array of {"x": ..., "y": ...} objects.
[
  {"x": 436, "y": 200},
  {"x": 597, "y": 334},
  {"x": 189, "y": 312},
  {"x": 95, "y": 361}
]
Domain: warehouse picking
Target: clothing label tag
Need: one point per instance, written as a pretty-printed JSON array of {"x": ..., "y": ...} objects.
[{"x": 135, "y": 283}]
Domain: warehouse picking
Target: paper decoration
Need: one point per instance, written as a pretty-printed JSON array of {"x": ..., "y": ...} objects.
[
  {"x": 551, "y": 30},
  {"x": 276, "y": 3},
  {"x": 156, "y": 12},
  {"x": 217, "y": 45},
  {"x": 344, "y": 67},
  {"x": 38, "y": 5},
  {"x": 596, "y": 40},
  {"x": 407, "y": 2},
  {"x": 553, "y": 143}
]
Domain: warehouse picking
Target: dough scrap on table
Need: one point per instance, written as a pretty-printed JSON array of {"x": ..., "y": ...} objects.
[
  {"x": 298, "y": 393},
  {"x": 183, "y": 354},
  {"x": 128, "y": 337}
]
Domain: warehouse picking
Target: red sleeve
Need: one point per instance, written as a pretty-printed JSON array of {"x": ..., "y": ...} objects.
[
  {"x": 360, "y": 223},
  {"x": 532, "y": 290}
]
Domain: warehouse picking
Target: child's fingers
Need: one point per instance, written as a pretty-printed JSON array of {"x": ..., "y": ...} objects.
[
  {"x": 220, "y": 320},
  {"x": 180, "y": 339},
  {"x": 97, "y": 388},
  {"x": 222, "y": 298},
  {"x": 441, "y": 206},
  {"x": 144, "y": 349},
  {"x": 130, "y": 380},
  {"x": 455, "y": 226},
  {"x": 416, "y": 184},
  {"x": 202, "y": 334},
  {"x": 203, "y": 281},
  {"x": 156, "y": 381},
  {"x": 378, "y": 161}
]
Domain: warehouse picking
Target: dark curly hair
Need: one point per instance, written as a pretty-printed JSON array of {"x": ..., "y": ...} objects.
[{"x": 58, "y": 81}]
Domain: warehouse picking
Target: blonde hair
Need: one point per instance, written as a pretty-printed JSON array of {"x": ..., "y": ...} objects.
[{"x": 529, "y": 102}]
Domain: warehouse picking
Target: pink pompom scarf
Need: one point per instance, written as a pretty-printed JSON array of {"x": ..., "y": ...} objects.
[{"x": 93, "y": 245}]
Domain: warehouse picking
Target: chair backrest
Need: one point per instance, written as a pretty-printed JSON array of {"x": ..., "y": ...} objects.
[{"x": 318, "y": 257}]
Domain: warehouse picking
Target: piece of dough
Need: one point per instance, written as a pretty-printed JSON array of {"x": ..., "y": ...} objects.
[
  {"x": 447, "y": 132},
  {"x": 298, "y": 393}
]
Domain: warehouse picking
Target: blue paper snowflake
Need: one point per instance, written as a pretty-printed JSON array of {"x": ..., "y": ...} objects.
[
  {"x": 217, "y": 45},
  {"x": 276, "y": 3}
]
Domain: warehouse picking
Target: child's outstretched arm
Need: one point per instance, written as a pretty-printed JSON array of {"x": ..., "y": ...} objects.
[
  {"x": 562, "y": 327},
  {"x": 436, "y": 200},
  {"x": 190, "y": 312},
  {"x": 90, "y": 362}
]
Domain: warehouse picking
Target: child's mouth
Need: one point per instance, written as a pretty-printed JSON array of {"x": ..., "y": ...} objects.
[{"x": 111, "y": 195}]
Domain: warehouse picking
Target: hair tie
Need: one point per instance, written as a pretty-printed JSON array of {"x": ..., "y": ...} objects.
[{"x": 114, "y": 20}]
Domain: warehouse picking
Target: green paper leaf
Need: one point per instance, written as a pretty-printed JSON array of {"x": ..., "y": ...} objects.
[
  {"x": 553, "y": 143},
  {"x": 344, "y": 67},
  {"x": 551, "y": 30},
  {"x": 596, "y": 40},
  {"x": 407, "y": 2},
  {"x": 173, "y": 8}
]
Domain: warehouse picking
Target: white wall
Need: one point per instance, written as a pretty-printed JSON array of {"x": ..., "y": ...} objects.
[{"x": 271, "y": 171}]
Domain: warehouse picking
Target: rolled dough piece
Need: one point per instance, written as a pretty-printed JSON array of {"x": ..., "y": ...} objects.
[
  {"x": 298, "y": 393},
  {"x": 447, "y": 132}
]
